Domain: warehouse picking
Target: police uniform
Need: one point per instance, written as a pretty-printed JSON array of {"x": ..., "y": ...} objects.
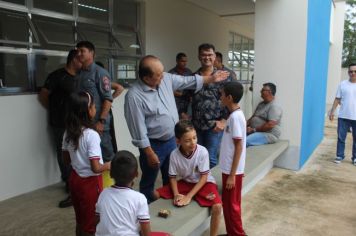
[{"x": 96, "y": 81}]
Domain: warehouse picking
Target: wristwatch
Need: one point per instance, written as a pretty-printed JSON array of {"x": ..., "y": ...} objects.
[{"x": 102, "y": 120}]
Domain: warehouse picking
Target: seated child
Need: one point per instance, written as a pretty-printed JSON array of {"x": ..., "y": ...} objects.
[
  {"x": 190, "y": 162},
  {"x": 119, "y": 208}
]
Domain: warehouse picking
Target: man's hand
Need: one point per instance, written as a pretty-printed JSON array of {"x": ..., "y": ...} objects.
[
  {"x": 250, "y": 130},
  {"x": 184, "y": 116},
  {"x": 219, "y": 125},
  {"x": 331, "y": 115},
  {"x": 220, "y": 75},
  {"x": 99, "y": 127},
  {"x": 153, "y": 160},
  {"x": 230, "y": 182}
]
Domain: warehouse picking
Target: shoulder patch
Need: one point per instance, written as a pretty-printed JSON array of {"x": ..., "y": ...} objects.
[{"x": 106, "y": 83}]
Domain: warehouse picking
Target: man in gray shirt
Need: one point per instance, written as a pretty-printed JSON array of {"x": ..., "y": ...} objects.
[
  {"x": 151, "y": 114},
  {"x": 264, "y": 125}
]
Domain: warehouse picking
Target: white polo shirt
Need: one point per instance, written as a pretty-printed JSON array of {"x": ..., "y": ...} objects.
[
  {"x": 88, "y": 149},
  {"x": 121, "y": 209},
  {"x": 190, "y": 168},
  {"x": 235, "y": 129},
  {"x": 347, "y": 93}
]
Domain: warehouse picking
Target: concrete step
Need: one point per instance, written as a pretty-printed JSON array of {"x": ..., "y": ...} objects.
[{"x": 193, "y": 219}]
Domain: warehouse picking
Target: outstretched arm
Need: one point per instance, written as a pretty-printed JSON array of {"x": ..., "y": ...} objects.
[{"x": 218, "y": 76}]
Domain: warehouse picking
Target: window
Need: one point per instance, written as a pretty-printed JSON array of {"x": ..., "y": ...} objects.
[
  {"x": 36, "y": 35},
  {"x": 65, "y": 7},
  {"x": 14, "y": 71},
  {"x": 241, "y": 56}
]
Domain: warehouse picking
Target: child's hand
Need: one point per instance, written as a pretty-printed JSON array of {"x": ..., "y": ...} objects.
[
  {"x": 230, "y": 182},
  {"x": 177, "y": 198},
  {"x": 184, "y": 201}
]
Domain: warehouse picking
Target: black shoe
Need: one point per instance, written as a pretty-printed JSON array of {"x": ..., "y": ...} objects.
[{"x": 65, "y": 203}]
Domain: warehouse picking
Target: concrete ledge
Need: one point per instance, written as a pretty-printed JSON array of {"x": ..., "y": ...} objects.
[{"x": 193, "y": 219}]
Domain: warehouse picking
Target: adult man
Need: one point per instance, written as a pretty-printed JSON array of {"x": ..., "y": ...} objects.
[
  {"x": 346, "y": 98},
  {"x": 96, "y": 81},
  {"x": 209, "y": 116},
  {"x": 182, "y": 97},
  {"x": 53, "y": 96},
  {"x": 218, "y": 64},
  {"x": 264, "y": 125},
  {"x": 151, "y": 115}
]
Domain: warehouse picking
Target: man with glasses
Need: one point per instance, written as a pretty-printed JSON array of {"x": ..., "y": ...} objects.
[
  {"x": 208, "y": 115},
  {"x": 346, "y": 98},
  {"x": 264, "y": 125}
]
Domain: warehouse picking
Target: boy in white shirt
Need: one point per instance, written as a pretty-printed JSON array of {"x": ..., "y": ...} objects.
[
  {"x": 190, "y": 162},
  {"x": 232, "y": 158},
  {"x": 121, "y": 210}
]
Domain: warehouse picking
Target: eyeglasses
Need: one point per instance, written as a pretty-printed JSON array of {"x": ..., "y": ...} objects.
[{"x": 352, "y": 71}]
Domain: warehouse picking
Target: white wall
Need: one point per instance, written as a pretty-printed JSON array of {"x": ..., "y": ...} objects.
[
  {"x": 27, "y": 155},
  {"x": 27, "y": 158},
  {"x": 335, "y": 72},
  {"x": 280, "y": 45},
  {"x": 178, "y": 26}
]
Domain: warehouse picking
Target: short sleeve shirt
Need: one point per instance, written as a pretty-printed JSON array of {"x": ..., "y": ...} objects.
[
  {"x": 88, "y": 149},
  {"x": 346, "y": 92},
  {"x": 96, "y": 81},
  {"x": 121, "y": 209},
  {"x": 190, "y": 168},
  {"x": 265, "y": 112},
  {"x": 235, "y": 128}
]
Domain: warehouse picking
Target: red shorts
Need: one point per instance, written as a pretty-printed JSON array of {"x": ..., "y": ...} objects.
[
  {"x": 185, "y": 187},
  {"x": 85, "y": 193}
]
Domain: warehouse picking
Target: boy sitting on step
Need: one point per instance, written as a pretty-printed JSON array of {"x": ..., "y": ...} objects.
[{"x": 190, "y": 163}]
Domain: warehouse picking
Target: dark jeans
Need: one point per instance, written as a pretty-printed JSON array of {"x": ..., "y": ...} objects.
[
  {"x": 163, "y": 150},
  {"x": 106, "y": 145},
  {"x": 211, "y": 140},
  {"x": 58, "y": 139},
  {"x": 343, "y": 126}
]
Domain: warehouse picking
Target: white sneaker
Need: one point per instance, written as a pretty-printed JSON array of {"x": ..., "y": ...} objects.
[
  {"x": 338, "y": 160},
  {"x": 354, "y": 162}
]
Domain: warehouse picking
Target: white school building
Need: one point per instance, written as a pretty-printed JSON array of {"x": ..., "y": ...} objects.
[{"x": 295, "y": 44}]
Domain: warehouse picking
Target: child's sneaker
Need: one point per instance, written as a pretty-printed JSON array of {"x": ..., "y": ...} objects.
[{"x": 338, "y": 160}]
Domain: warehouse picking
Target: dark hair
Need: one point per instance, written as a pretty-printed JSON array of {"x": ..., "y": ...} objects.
[
  {"x": 71, "y": 55},
  {"x": 123, "y": 168},
  {"x": 205, "y": 47},
  {"x": 180, "y": 55},
  {"x": 182, "y": 127},
  {"x": 99, "y": 63},
  {"x": 143, "y": 69},
  {"x": 272, "y": 87},
  {"x": 351, "y": 64},
  {"x": 219, "y": 55},
  {"x": 86, "y": 44},
  {"x": 235, "y": 89},
  {"x": 77, "y": 116}
]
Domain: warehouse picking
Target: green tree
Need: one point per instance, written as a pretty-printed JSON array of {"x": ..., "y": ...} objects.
[{"x": 349, "y": 47}]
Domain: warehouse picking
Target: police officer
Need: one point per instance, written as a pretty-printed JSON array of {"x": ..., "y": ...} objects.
[{"x": 96, "y": 81}]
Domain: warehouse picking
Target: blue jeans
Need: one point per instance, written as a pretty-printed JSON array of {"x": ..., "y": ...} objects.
[
  {"x": 256, "y": 139},
  {"x": 163, "y": 150},
  {"x": 343, "y": 126},
  {"x": 211, "y": 140}
]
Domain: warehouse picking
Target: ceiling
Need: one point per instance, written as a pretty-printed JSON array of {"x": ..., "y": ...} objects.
[{"x": 239, "y": 11}]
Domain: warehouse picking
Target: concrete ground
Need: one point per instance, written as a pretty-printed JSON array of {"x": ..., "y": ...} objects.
[{"x": 320, "y": 199}]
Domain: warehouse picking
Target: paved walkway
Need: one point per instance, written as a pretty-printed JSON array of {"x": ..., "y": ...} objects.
[{"x": 318, "y": 200}]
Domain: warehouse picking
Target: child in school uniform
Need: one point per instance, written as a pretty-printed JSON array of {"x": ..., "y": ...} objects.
[
  {"x": 81, "y": 148},
  {"x": 121, "y": 210},
  {"x": 232, "y": 158},
  {"x": 189, "y": 175}
]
